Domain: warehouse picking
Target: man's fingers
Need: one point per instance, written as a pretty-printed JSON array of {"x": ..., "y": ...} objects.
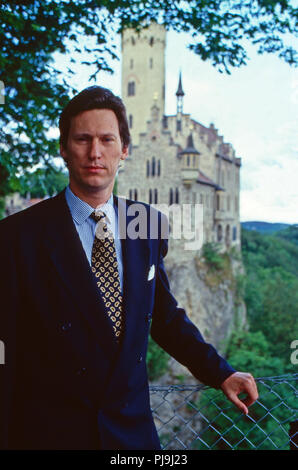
[
  {"x": 241, "y": 382},
  {"x": 240, "y": 404}
]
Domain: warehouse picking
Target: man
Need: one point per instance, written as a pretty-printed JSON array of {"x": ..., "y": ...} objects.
[{"x": 77, "y": 304}]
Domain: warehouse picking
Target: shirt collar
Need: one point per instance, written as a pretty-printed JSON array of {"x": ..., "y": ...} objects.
[{"x": 81, "y": 210}]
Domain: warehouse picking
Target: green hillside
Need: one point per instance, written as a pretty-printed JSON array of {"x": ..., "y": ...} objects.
[{"x": 264, "y": 227}]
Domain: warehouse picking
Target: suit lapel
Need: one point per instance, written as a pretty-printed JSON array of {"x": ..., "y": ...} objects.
[
  {"x": 67, "y": 254},
  {"x": 135, "y": 256}
]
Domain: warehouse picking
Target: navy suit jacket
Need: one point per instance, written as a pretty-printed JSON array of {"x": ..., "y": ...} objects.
[{"x": 66, "y": 383}]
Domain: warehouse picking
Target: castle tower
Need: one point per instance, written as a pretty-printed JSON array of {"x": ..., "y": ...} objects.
[{"x": 143, "y": 75}]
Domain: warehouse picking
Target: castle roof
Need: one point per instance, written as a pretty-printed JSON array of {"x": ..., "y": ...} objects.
[
  {"x": 180, "y": 91},
  {"x": 190, "y": 148},
  {"x": 203, "y": 179}
]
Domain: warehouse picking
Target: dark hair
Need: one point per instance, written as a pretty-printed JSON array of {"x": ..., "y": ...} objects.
[{"x": 94, "y": 97}]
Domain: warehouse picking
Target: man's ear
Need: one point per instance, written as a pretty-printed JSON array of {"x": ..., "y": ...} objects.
[
  {"x": 124, "y": 153},
  {"x": 63, "y": 153}
]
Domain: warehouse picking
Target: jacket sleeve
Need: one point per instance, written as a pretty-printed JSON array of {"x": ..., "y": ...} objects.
[
  {"x": 176, "y": 334},
  {"x": 9, "y": 301}
]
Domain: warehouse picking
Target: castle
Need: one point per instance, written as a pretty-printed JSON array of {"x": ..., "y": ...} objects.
[{"x": 174, "y": 159}]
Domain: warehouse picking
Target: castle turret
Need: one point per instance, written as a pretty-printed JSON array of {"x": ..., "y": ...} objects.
[{"x": 180, "y": 94}]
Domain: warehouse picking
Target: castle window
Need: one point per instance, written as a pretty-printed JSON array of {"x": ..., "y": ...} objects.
[
  {"x": 193, "y": 160},
  {"x": 130, "y": 121},
  {"x": 165, "y": 122},
  {"x": 151, "y": 63},
  {"x": 228, "y": 238},
  {"x": 179, "y": 126},
  {"x": 201, "y": 199},
  {"x": 130, "y": 194},
  {"x": 217, "y": 202},
  {"x": 219, "y": 233},
  {"x": 133, "y": 40},
  {"x": 131, "y": 90},
  {"x": 234, "y": 233},
  {"x": 177, "y": 196},
  {"x": 136, "y": 194},
  {"x": 131, "y": 63},
  {"x": 188, "y": 160},
  {"x": 158, "y": 168},
  {"x": 151, "y": 42},
  {"x": 150, "y": 196},
  {"x": 153, "y": 166},
  {"x": 148, "y": 169},
  {"x": 171, "y": 198},
  {"x": 155, "y": 196}
]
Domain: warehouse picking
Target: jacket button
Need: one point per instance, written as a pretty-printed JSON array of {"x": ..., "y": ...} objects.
[
  {"x": 65, "y": 326},
  {"x": 81, "y": 371}
]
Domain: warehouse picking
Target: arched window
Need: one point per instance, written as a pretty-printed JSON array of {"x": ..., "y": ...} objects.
[
  {"x": 148, "y": 169},
  {"x": 130, "y": 119},
  {"x": 150, "y": 196},
  {"x": 177, "y": 196},
  {"x": 217, "y": 202},
  {"x": 131, "y": 89},
  {"x": 158, "y": 168},
  {"x": 228, "y": 235},
  {"x": 171, "y": 197},
  {"x": 153, "y": 166},
  {"x": 155, "y": 196},
  {"x": 219, "y": 233}
]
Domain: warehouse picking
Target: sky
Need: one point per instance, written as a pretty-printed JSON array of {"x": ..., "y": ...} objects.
[{"x": 255, "y": 109}]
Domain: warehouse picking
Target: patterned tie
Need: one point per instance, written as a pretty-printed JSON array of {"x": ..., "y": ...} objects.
[{"x": 105, "y": 268}]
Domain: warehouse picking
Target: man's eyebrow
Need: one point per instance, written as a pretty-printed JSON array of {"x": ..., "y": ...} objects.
[{"x": 87, "y": 134}]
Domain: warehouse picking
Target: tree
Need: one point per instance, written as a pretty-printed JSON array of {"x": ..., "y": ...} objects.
[{"x": 31, "y": 32}]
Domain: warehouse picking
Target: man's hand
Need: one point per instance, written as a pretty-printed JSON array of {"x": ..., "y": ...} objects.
[{"x": 237, "y": 383}]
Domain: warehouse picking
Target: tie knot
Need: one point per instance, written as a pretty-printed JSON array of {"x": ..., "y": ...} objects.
[{"x": 98, "y": 215}]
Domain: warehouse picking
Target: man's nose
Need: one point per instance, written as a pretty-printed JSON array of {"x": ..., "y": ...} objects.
[{"x": 95, "y": 148}]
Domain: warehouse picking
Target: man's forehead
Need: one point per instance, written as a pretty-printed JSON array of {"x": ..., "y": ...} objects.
[{"x": 94, "y": 118}]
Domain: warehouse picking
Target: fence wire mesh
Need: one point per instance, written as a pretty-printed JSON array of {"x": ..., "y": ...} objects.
[{"x": 197, "y": 417}]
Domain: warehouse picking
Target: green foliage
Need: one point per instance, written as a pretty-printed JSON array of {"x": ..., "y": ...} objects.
[
  {"x": 33, "y": 31},
  {"x": 157, "y": 360},
  {"x": 43, "y": 182},
  {"x": 290, "y": 234},
  {"x": 2, "y": 207},
  {"x": 212, "y": 256},
  {"x": 268, "y": 251},
  {"x": 271, "y": 290}
]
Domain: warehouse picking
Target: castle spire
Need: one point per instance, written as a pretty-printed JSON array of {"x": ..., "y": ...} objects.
[{"x": 180, "y": 93}]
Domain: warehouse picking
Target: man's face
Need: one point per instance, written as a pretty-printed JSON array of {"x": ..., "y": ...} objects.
[{"x": 93, "y": 152}]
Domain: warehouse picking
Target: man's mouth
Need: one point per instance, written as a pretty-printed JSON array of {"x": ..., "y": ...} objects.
[{"x": 95, "y": 169}]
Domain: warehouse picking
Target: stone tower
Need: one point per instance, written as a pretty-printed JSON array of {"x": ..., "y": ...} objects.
[{"x": 143, "y": 75}]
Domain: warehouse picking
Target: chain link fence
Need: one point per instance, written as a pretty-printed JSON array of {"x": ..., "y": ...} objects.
[{"x": 197, "y": 417}]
